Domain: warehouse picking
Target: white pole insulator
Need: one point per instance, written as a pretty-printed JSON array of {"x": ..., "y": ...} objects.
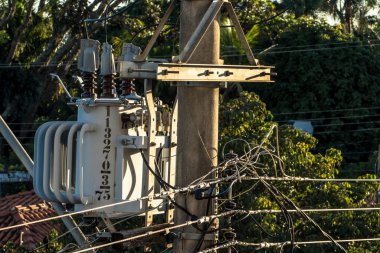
[
  {"x": 88, "y": 60},
  {"x": 107, "y": 66}
]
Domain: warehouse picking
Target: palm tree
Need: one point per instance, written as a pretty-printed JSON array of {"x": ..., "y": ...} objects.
[{"x": 348, "y": 12}]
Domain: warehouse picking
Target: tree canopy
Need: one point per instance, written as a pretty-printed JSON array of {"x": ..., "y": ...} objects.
[
  {"x": 246, "y": 118},
  {"x": 327, "y": 74}
]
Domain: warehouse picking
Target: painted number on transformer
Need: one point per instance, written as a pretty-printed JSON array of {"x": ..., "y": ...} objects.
[{"x": 105, "y": 171}]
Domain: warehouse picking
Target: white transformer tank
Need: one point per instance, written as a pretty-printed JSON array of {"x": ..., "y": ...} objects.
[{"x": 103, "y": 157}]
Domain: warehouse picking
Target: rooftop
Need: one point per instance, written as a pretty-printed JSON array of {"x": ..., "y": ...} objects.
[{"x": 22, "y": 208}]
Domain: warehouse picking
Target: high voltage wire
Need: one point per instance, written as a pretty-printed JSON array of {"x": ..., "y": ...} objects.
[
  {"x": 307, "y": 179},
  {"x": 158, "y": 195},
  {"x": 224, "y": 214},
  {"x": 346, "y": 124},
  {"x": 32, "y": 65},
  {"x": 345, "y": 131},
  {"x": 274, "y": 47},
  {"x": 308, "y": 50},
  {"x": 323, "y": 111},
  {"x": 188, "y": 223},
  {"x": 266, "y": 245},
  {"x": 200, "y": 186},
  {"x": 46, "y": 64},
  {"x": 337, "y": 117},
  {"x": 248, "y": 164},
  {"x": 207, "y": 218},
  {"x": 319, "y": 44}
]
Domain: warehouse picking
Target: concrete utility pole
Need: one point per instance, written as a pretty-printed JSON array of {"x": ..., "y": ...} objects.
[{"x": 197, "y": 125}]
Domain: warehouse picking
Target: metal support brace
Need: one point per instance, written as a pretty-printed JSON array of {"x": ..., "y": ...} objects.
[
  {"x": 240, "y": 33},
  {"x": 172, "y": 163},
  {"x": 204, "y": 25},
  {"x": 109, "y": 224},
  {"x": 142, "y": 57},
  {"x": 151, "y": 154},
  {"x": 19, "y": 150},
  {"x": 200, "y": 31}
]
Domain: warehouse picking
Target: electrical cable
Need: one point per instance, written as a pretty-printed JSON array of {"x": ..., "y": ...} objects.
[
  {"x": 157, "y": 195},
  {"x": 330, "y": 118},
  {"x": 68, "y": 247},
  {"x": 158, "y": 178},
  {"x": 270, "y": 18},
  {"x": 263, "y": 229},
  {"x": 188, "y": 223},
  {"x": 266, "y": 245},
  {"x": 319, "y": 44},
  {"x": 307, "y": 179},
  {"x": 205, "y": 230},
  {"x": 57, "y": 238},
  {"x": 281, "y": 199},
  {"x": 124, "y": 9},
  {"x": 307, "y": 50},
  {"x": 347, "y": 124},
  {"x": 323, "y": 111},
  {"x": 46, "y": 64},
  {"x": 348, "y": 131},
  {"x": 165, "y": 185},
  {"x": 252, "y": 155}
]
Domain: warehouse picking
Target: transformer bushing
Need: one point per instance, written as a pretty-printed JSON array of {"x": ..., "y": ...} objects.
[
  {"x": 127, "y": 87},
  {"x": 107, "y": 71},
  {"x": 88, "y": 85},
  {"x": 108, "y": 87},
  {"x": 88, "y": 63}
]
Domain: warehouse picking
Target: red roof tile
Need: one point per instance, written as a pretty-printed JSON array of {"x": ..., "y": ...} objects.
[{"x": 21, "y": 208}]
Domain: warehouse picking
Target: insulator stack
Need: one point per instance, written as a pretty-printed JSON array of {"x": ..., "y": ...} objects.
[
  {"x": 129, "y": 52},
  {"x": 88, "y": 63},
  {"x": 89, "y": 85},
  {"x": 107, "y": 71},
  {"x": 108, "y": 86},
  {"x": 127, "y": 87}
]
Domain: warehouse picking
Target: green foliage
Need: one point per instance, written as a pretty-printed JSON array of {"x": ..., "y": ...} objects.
[
  {"x": 54, "y": 245},
  {"x": 247, "y": 118},
  {"x": 333, "y": 71}
]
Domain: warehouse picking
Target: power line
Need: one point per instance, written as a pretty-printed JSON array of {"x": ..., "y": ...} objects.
[
  {"x": 45, "y": 64},
  {"x": 308, "y": 50},
  {"x": 265, "y": 245},
  {"x": 36, "y": 65},
  {"x": 307, "y": 179},
  {"x": 332, "y": 110},
  {"x": 124, "y": 9},
  {"x": 275, "y": 46},
  {"x": 228, "y": 213},
  {"x": 337, "y": 117},
  {"x": 320, "y": 44},
  {"x": 347, "y": 124},
  {"x": 188, "y": 223},
  {"x": 201, "y": 185},
  {"x": 345, "y": 131},
  {"x": 162, "y": 194}
]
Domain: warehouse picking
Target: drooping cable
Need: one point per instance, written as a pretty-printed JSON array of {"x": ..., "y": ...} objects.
[{"x": 124, "y": 9}]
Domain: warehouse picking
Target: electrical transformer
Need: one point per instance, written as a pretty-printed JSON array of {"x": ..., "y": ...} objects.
[{"x": 114, "y": 150}]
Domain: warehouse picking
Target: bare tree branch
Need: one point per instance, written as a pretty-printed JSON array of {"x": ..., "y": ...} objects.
[
  {"x": 41, "y": 5},
  {"x": 10, "y": 14},
  {"x": 19, "y": 34}
]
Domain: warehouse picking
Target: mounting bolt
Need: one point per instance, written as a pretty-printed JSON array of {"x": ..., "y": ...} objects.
[
  {"x": 126, "y": 142},
  {"x": 208, "y": 72},
  {"x": 228, "y": 73}
]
